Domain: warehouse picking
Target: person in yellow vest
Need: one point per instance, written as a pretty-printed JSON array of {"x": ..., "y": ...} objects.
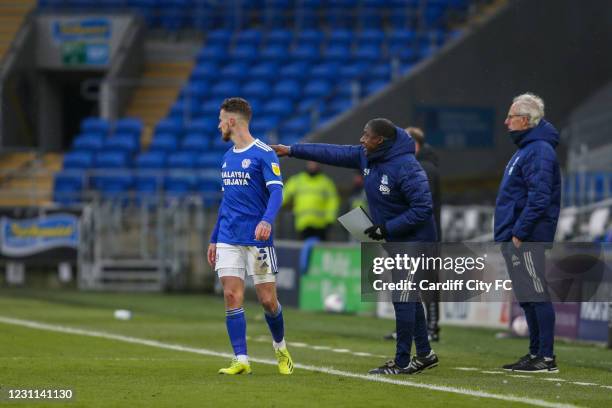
[{"x": 315, "y": 201}]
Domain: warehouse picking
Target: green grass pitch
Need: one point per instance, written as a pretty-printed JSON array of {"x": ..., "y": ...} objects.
[{"x": 109, "y": 372}]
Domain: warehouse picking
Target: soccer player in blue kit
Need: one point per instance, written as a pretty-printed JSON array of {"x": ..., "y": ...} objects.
[{"x": 241, "y": 242}]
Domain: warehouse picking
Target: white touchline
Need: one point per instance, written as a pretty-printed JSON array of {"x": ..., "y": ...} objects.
[{"x": 325, "y": 370}]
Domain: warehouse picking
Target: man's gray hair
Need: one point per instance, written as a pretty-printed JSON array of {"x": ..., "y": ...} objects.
[{"x": 531, "y": 106}]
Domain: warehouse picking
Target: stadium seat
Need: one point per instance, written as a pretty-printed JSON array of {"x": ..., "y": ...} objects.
[
  {"x": 123, "y": 142},
  {"x": 88, "y": 142},
  {"x": 259, "y": 126},
  {"x": 203, "y": 126},
  {"x": 209, "y": 160},
  {"x": 287, "y": 89},
  {"x": 111, "y": 160},
  {"x": 95, "y": 125},
  {"x": 78, "y": 160},
  {"x": 164, "y": 142},
  {"x": 367, "y": 52},
  {"x": 244, "y": 53},
  {"x": 317, "y": 88},
  {"x": 212, "y": 53},
  {"x": 178, "y": 184},
  {"x": 205, "y": 71},
  {"x": 296, "y": 70},
  {"x": 181, "y": 160},
  {"x": 340, "y": 37},
  {"x": 279, "y": 107},
  {"x": 147, "y": 183},
  {"x": 353, "y": 70},
  {"x": 68, "y": 187},
  {"x": 151, "y": 160},
  {"x": 278, "y": 37},
  {"x": 327, "y": 71},
  {"x": 221, "y": 37},
  {"x": 265, "y": 71},
  {"x": 371, "y": 37},
  {"x": 337, "y": 52},
  {"x": 381, "y": 71},
  {"x": 248, "y": 37},
  {"x": 115, "y": 184},
  {"x": 225, "y": 89},
  {"x": 209, "y": 188},
  {"x": 276, "y": 53},
  {"x": 129, "y": 125},
  {"x": 297, "y": 125},
  {"x": 372, "y": 87},
  {"x": 195, "y": 90},
  {"x": 255, "y": 89},
  {"x": 171, "y": 126},
  {"x": 308, "y": 53},
  {"x": 210, "y": 108},
  {"x": 235, "y": 70},
  {"x": 196, "y": 142},
  {"x": 310, "y": 37}
]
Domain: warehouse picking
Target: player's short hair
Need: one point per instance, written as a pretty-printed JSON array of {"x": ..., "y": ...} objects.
[
  {"x": 382, "y": 127},
  {"x": 531, "y": 106},
  {"x": 239, "y": 106},
  {"x": 417, "y": 134}
]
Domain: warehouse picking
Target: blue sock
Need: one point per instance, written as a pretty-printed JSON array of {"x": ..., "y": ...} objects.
[
  {"x": 545, "y": 313},
  {"x": 236, "y": 329},
  {"x": 276, "y": 324}
]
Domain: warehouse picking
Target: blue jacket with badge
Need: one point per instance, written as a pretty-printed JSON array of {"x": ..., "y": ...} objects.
[
  {"x": 395, "y": 184},
  {"x": 529, "y": 196}
]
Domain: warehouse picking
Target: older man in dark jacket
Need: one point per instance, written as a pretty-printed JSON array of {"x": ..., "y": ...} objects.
[
  {"x": 401, "y": 207},
  {"x": 526, "y": 211}
]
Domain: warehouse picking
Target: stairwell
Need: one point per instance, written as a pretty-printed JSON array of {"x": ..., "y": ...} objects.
[
  {"x": 158, "y": 89},
  {"x": 26, "y": 179}
]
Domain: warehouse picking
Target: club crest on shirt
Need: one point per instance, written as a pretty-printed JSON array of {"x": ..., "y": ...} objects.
[
  {"x": 276, "y": 169},
  {"x": 246, "y": 163}
]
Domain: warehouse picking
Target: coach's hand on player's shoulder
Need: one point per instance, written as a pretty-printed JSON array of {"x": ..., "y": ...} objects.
[
  {"x": 212, "y": 254},
  {"x": 281, "y": 150},
  {"x": 263, "y": 230}
]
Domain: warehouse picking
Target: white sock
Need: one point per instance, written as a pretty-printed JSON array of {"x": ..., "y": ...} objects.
[
  {"x": 280, "y": 345},
  {"x": 243, "y": 358}
]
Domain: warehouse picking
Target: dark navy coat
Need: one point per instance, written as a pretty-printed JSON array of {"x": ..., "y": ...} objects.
[
  {"x": 395, "y": 184},
  {"x": 529, "y": 197}
]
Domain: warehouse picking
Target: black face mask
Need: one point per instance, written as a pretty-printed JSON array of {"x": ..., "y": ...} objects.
[
  {"x": 382, "y": 149},
  {"x": 517, "y": 135}
]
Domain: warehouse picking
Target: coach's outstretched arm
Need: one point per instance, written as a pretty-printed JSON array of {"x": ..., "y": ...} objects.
[{"x": 336, "y": 155}]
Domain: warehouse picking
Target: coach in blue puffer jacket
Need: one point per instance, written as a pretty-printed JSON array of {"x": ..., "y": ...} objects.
[
  {"x": 527, "y": 210},
  {"x": 400, "y": 202}
]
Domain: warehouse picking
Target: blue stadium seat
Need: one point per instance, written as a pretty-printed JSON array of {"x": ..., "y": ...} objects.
[
  {"x": 205, "y": 71},
  {"x": 296, "y": 70},
  {"x": 340, "y": 37},
  {"x": 305, "y": 53},
  {"x": 288, "y": 89},
  {"x": 339, "y": 105},
  {"x": 225, "y": 89},
  {"x": 255, "y": 89},
  {"x": 195, "y": 90},
  {"x": 370, "y": 17},
  {"x": 279, "y": 107},
  {"x": 374, "y": 86},
  {"x": 209, "y": 187},
  {"x": 171, "y": 126},
  {"x": 211, "y": 107},
  {"x": 279, "y": 37},
  {"x": 317, "y": 88},
  {"x": 147, "y": 184},
  {"x": 297, "y": 125},
  {"x": 210, "y": 160},
  {"x": 289, "y": 138},
  {"x": 337, "y": 52},
  {"x": 151, "y": 160},
  {"x": 219, "y": 36},
  {"x": 196, "y": 142},
  {"x": 381, "y": 71},
  {"x": 212, "y": 53},
  {"x": 367, "y": 52},
  {"x": 68, "y": 187},
  {"x": 78, "y": 160},
  {"x": 310, "y": 37},
  {"x": 111, "y": 160},
  {"x": 370, "y": 37},
  {"x": 276, "y": 53},
  {"x": 326, "y": 70},
  {"x": 203, "y": 125},
  {"x": 115, "y": 184},
  {"x": 264, "y": 70},
  {"x": 164, "y": 142},
  {"x": 218, "y": 145},
  {"x": 262, "y": 125},
  {"x": 178, "y": 184},
  {"x": 248, "y": 37},
  {"x": 181, "y": 160},
  {"x": 353, "y": 70},
  {"x": 235, "y": 70},
  {"x": 404, "y": 53},
  {"x": 401, "y": 38},
  {"x": 122, "y": 142},
  {"x": 95, "y": 125},
  {"x": 129, "y": 125},
  {"x": 87, "y": 142},
  {"x": 244, "y": 53}
]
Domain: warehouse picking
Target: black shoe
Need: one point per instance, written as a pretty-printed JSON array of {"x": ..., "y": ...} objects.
[
  {"x": 420, "y": 364},
  {"x": 522, "y": 360},
  {"x": 388, "y": 368},
  {"x": 390, "y": 336},
  {"x": 537, "y": 365}
]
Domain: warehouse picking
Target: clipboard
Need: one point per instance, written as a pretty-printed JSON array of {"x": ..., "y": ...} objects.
[{"x": 355, "y": 222}]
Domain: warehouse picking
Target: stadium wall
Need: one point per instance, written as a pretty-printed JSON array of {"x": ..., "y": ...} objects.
[{"x": 558, "y": 49}]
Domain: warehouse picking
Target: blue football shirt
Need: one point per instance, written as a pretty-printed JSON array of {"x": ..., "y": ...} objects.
[{"x": 246, "y": 174}]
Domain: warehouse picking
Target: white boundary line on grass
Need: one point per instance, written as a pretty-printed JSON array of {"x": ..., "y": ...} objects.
[{"x": 325, "y": 370}]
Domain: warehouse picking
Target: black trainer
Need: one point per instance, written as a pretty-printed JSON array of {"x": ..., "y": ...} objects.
[
  {"x": 388, "y": 368},
  {"x": 522, "y": 360},
  {"x": 537, "y": 365},
  {"x": 419, "y": 364}
]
